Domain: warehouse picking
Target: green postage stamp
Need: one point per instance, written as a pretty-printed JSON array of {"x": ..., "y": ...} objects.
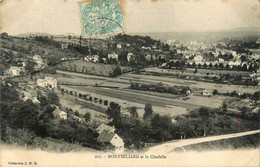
[{"x": 101, "y": 17}]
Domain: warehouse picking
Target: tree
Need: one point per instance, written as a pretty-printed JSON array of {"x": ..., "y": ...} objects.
[
  {"x": 215, "y": 92},
  {"x": 133, "y": 112},
  {"x": 95, "y": 99},
  {"x": 256, "y": 96},
  {"x": 224, "y": 107},
  {"x": 114, "y": 112},
  {"x": 195, "y": 71},
  {"x": 244, "y": 67},
  {"x": 251, "y": 68},
  {"x": 117, "y": 71},
  {"x": 205, "y": 120},
  {"x": 227, "y": 67},
  {"x": 105, "y": 102},
  {"x": 221, "y": 65},
  {"x": 77, "y": 113},
  {"x": 87, "y": 117},
  {"x": 25, "y": 115},
  {"x": 53, "y": 98},
  {"x": 148, "y": 111},
  {"x": 205, "y": 65},
  {"x": 30, "y": 66}
]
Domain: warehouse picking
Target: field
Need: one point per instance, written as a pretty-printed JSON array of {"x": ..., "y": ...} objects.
[
  {"x": 90, "y": 68},
  {"x": 198, "y": 85},
  {"x": 125, "y": 101},
  {"x": 117, "y": 90},
  {"x": 189, "y": 71}
]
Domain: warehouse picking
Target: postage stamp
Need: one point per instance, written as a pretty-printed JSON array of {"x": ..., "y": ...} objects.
[{"x": 101, "y": 17}]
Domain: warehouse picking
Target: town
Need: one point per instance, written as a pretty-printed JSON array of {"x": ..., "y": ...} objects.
[{"x": 125, "y": 92}]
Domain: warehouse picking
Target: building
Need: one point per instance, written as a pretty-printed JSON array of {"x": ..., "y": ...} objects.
[
  {"x": 64, "y": 46},
  {"x": 146, "y": 48},
  {"x": 148, "y": 57},
  {"x": 112, "y": 138},
  {"x": 49, "y": 82},
  {"x": 112, "y": 56},
  {"x": 93, "y": 58},
  {"x": 119, "y": 46},
  {"x": 38, "y": 60},
  {"x": 220, "y": 60},
  {"x": 79, "y": 119},
  {"x": 130, "y": 56},
  {"x": 206, "y": 93},
  {"x": 164, "y": 65},
  {"x": 103, "y": 127},
  {"x": 57, "y": 113},
  {"x": 14, "y": 70},
  {"x": 30, "y": 96},
  {"x": 234, "y": 63},
  {"x": 198, "y": 59},
  {"x": 256, "y": 110}
]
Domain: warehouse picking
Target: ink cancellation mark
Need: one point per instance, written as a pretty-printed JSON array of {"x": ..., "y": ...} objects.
[{"x": 101, "y": 17}]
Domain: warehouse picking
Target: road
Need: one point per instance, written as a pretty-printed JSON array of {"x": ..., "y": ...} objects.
[{"x": 169, "y": 146}]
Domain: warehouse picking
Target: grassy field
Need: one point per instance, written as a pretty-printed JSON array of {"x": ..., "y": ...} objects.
[
  {"x": 126, "y": 102},
  {"x": 126, "y": 95},
  {"x": 189, "y": 71},
  {"x": 156, "y": 99},
  {"x": 90, "y": 68},
  {"x": 192, "y": 84}
]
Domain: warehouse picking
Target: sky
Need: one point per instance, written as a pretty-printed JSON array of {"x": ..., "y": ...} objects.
[{"x": 62, "y": 16}]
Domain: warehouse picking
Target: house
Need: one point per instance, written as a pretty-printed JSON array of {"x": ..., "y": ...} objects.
[
  {"x": 14, "y": 70},
  {"x": 49, "y": 82},
  {"x": 206, "y": 93},
  {"x": 220, "y": 60},
  {"x": 105, "y": 127},
  {"x": 198, "y": 59},
  {"x": 164, "y": 65},
  {"x": 130, "y": 56},
  {"x": 64, "y": 46},
  {"x": 30, "y": 96},
  {"x": 104, "y": 60},
  {"x": 38, "y": 60},
  {"x": 188, "y": 92},
  {"x": 112, "y": 138},
  {"x": 119, "y": 46},
  {"x": 60, "y": 114},
  {"x": 234, "y": 63},
  {"x": 112, "y": 56},
  {"x": 146, "y": 48},
  {"x": 79, "y": 119},
  {"x": 93, "y": 58},
  {"x": 148, "y": 57},
  {"x": 256, "y": 110}
]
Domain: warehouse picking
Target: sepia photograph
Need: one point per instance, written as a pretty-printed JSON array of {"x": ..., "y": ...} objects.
[{"x": 129, "y": 83}]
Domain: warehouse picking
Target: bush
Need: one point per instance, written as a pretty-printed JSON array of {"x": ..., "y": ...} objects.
[
  {"x": 215, "y": 92},
  {"x": 22, "y": 137}
]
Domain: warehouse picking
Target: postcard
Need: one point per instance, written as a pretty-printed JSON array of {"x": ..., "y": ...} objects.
[{"x": 89, "y": 83}]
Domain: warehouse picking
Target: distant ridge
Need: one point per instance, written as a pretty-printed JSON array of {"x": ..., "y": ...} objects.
[{"x": 213, "y": 35}]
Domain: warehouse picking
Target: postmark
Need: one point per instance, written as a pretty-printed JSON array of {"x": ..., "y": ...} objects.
[{"x": 101, "y": 17}]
